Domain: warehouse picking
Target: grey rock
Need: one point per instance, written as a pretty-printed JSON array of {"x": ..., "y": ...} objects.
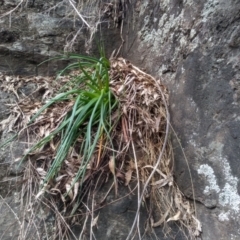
[
  {"x": 235, "y": 38},
  {"x": 194, "y": 48},
  {"x": 8, "y": 36},
  {"x": 11, "y": 3},
  {"x": 43, "y": 24},
  {"x": 5, "y": 98},
  {"x": 36, "y": 33}
]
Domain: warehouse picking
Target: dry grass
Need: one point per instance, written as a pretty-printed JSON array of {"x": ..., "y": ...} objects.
[
  {"x": 142, "y": 133},
  {"x": 144, "y": 101}
]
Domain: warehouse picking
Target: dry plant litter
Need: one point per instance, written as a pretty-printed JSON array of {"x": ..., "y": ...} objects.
[{"x": 139, "y": 128}]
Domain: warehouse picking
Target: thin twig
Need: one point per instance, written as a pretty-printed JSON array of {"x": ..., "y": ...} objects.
[
  {"x": 9, "y": 12},
  {"x": 138, "y": 189},
  {"x": 79, "y": 14}
]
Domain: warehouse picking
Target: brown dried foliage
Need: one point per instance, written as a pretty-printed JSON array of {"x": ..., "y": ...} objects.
[{"x": 140, "y": 134}]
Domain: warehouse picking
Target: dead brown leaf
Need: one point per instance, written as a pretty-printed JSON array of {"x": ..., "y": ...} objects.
[{"x": 128, "y": 176}]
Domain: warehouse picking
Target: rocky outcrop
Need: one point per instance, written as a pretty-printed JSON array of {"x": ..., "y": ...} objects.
[
  {"x": 34, "y": 32},
  {"x": 194, "y": 47}
]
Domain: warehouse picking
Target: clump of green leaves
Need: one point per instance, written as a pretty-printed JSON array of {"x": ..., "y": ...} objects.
[{"x": 90, "y": 117}]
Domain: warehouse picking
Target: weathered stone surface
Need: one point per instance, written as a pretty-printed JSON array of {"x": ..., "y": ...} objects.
[
  {"x": 193, "y": 46},
  {"x": 36, "y": 32},
  {"x": 116, "y": 215},
  {"x": 15, "y": 217},
  {"x": 10, "y": 226}
]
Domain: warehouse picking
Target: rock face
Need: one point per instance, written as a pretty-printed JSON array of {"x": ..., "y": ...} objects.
[
  {"x": 40, "y": 30},
  {"x": 34, "y": 32},
  {"x": 194, "y": 47}
]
